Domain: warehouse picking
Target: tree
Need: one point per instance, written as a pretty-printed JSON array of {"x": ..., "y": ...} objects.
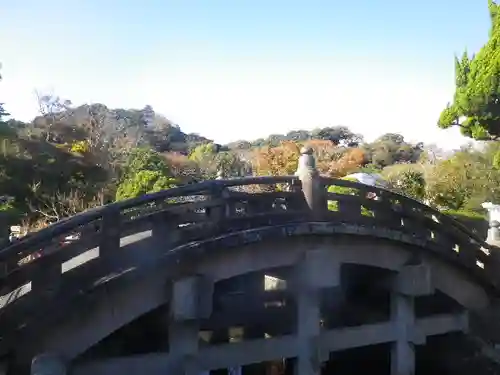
[
  {"x": 451, "y": 182},
  {"x": 276, "y": 161},
  {"x": 339, "y": 135},
  {"x": 350, "y": 162},
  {"x": 325, "y": 152},
  {"x": 53, "y": 109},
  {"x": 141, "y": 159},
  {"x": 182, "y": 168},
  {"x": 146, "y": 171},
  {"x": 205, "y": 155},
  {"x": 410, "y": 183},
  {"x": 476, "y": 104},
  {"x": 298, "y": 135},
  {"x": 239, "y": 145},
  {"x": 230, "y": 165},
  {"x": 58, "y": 205},
  {"x": 2, "y": 110},
  {"x": 144, "y": 182},
  {"x": 391, "y": 148}
]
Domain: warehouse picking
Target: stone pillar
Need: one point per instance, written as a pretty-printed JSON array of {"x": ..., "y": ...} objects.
[
  {"x": 308, "y": 328},
  {"x": 191, "y": 301},
  {"x": 308, "y": 282},
  {"x": 48, "y": 364},
  {"x": 493, "y": 237},
  {"x": 412, "y": 281},
  {"x": 312, "y": 188}
]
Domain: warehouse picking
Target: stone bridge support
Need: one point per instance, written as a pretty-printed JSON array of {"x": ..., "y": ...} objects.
[
  {"x": 413, "y": 281},
  {"x": 309, "y": 347}
]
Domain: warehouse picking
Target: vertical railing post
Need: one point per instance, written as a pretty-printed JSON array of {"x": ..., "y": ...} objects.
[
  {"x": 312, "y": 186},
  {"x": 218, "y": 192},
  {"x": 109, "y": 243}
]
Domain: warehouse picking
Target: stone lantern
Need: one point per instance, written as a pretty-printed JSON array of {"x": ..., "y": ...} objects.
[{"x": 493, "y": 237}]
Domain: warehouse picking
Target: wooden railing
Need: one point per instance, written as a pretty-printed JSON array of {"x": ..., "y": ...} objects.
[{"x": 182, "y": 215}]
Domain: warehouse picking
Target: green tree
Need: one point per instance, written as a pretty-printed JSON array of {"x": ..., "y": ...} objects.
[
  {"x": 205, "y": 155},
  {"x": 390, "y": 149},
  {"x": 143, "y": 182},
  {"x": 203, "y": 152},
  {"x": 341, "y": 190},
  {"x": 476, "y": 104},
  {"x": 230, "y": 164},
  {"x": 141, "y": 159},
  {"x": 456, "y": 182},
  {"x": 145, "y": 171},
  {"x": 410, "y": 183}
]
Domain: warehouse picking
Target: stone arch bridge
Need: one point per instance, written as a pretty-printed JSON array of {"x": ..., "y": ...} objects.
[{"x": 253, "y": 275}]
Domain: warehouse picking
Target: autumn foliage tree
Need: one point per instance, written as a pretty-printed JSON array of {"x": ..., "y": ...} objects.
[
  {"x": 349, "y": 162},
  {"x": 276, "y": 161},
  {"x": 325, "y": 152}
]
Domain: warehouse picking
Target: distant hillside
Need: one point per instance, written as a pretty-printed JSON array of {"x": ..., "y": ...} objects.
[{"x": 139, "y": 127}]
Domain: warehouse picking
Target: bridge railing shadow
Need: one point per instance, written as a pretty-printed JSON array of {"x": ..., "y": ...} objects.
[{"x": 191, "y": 213}]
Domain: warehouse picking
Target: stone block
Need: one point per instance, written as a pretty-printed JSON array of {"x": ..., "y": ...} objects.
[
  {"x": 320, "y": 269},
  {"x": 414, "y": 280},
  {"x": 192, "y": 298}
]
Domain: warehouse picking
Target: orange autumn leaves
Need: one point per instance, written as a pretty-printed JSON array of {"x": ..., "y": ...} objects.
[
  {"x": 276, "y": 161},
  {"x": 331, "y": 160}
]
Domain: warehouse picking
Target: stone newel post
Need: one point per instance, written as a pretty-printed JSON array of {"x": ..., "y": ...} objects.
[
  {"x": 493, "y": 237},
  {"x": 311, "y": 182}
]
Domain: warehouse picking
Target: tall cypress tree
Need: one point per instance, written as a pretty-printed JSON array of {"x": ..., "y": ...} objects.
[{"x": 476, "y": 103}]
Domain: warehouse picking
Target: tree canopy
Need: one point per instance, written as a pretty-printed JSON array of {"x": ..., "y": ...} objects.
[{"x": 476, "y": 107}]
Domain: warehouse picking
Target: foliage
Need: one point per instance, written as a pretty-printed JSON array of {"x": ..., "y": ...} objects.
[
  {"x": 475, "y": 221},
  {"x": 391, "y": 149},
  {"x": 342, "y": 190},
  {"x": 410, "y": 183},
  {"x": 369, "y": 168},
  {"x": 476, "y": 107},
  {"x": 349, "y": 162},
  {"x": 277, "y": 161},
  {"x": 72, "y": 158},
  {"x": 80, "y": 147},
  {"x": 141, "y": 159},
  {"x": 462, "y": 214},
  {"x": 146, "y": 171},
  {"x": 465, "y": 180},
  {"x": 205, "y": 156},
  {"x": 182, "y": 168},
  {"x": 448, "y": 185},
  {"x": 231, "y": 165},
  {"x": 203, "y": 151},
  {"x": 143, "y": 182}
]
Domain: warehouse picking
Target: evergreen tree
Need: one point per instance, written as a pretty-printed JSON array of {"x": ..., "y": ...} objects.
[{"x": 476, "y": 106}]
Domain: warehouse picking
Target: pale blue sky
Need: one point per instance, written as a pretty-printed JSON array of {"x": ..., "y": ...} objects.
[{"x": 232, "y": 69}]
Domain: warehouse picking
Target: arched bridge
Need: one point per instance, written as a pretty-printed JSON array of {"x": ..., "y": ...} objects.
[{"x": 227, "y": 274}]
